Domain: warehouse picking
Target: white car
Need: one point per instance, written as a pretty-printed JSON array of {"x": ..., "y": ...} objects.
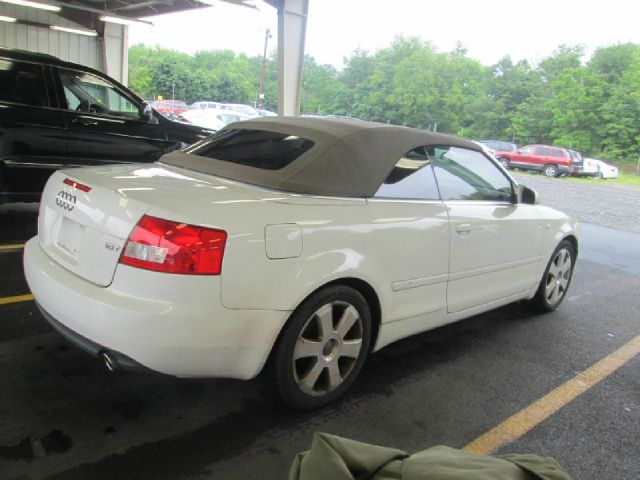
[
  {"x": 266, "y": 113},
  {"x": 204, "y": 105},
  {"x": 296, "y": 245},
  {"x": 242, "y": 108},
  {"x": 598, "y": 168},
  {"x": 213, "y": 119}
]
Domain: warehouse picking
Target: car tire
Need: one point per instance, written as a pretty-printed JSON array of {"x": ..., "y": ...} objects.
[
  {"x": 316, "y": 360},
  {"x": 556, "y": 279},
  {"x": 504, "y": 162},
  {"x": 551, "y": 170},
  {"x": 599, "y": 175}
]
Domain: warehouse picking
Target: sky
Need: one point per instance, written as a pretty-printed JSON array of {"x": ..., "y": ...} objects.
[{"x": 488, "y": 29}]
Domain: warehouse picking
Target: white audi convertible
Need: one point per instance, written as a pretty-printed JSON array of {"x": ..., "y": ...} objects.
[{"x": 296, "y": 246}]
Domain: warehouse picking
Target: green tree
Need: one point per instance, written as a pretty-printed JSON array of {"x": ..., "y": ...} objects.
[
  {"x": 575, "y": 109},
  {"x": 612, "y": 62},
  {"x": 592, "y": 107},
  {"x": 621, "y": 114},
  {"x": 504, "y": 88}
]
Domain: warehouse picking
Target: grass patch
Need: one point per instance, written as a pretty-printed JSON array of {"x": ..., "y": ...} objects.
[{"x": 624, "y": 178}]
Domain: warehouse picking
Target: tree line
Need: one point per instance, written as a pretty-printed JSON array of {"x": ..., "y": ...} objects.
[{"x": 589, "y": 104}]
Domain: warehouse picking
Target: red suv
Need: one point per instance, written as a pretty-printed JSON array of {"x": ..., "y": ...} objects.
[
  {"x": 169, "y": 107},
  {"x": 550, "y": 160}
]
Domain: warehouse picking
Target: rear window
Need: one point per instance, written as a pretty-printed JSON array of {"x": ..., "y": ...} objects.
[
  {"x": 556, "y": 153},
  {"x": 499, "y": 146},
  {"x": 253, "y": 148},
  {"x": 22, "y": 83},
  {"x": 543, "y": 151}
]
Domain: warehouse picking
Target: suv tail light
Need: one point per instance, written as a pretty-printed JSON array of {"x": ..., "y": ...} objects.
[{"x": 171, "y": 247}]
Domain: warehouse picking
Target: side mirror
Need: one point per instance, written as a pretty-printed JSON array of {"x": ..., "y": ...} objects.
[
  {"x": 147, "y": 114},
  {"x": 527, "y": 195}
]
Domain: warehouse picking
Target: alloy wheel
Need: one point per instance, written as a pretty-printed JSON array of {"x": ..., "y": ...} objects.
[
  {"x": 327, "y": 348},
  {"x": 558, "y": 276}
]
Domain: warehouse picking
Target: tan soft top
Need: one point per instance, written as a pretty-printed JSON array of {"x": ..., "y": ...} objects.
[{"x": 350, "y": 158}]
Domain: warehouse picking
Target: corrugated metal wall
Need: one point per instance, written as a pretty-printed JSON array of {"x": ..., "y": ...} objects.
[{"x": 67, "y": 46}]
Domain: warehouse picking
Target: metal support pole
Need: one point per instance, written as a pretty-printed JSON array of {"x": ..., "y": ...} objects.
[
  {"x": 115, "y": 48},
  {"x": 292, "y": 26},
  {"x": 267, "y": 36}
]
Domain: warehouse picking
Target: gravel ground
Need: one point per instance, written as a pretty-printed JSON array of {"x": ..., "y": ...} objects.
[{"x": 613, "y": 206}]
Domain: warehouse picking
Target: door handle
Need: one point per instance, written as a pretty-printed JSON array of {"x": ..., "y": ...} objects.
[
  {"x": 463, "y": 228},
  {"x": 84, "y": 121}
]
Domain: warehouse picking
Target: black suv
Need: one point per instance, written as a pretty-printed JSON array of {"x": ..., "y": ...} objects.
[{"x": 55, "y": 114}]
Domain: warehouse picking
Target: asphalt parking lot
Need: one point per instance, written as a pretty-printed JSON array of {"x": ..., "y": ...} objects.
[{"x": 64, "y": 416}]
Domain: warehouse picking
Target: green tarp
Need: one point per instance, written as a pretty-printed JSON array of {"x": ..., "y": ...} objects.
[{"x": 336, "y": 458}]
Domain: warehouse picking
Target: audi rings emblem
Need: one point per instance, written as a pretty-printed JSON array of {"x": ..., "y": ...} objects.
[{"x": 66, "y": 200}]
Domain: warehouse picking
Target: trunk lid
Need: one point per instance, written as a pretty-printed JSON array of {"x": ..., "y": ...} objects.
[{"x": 85, "y": 231}]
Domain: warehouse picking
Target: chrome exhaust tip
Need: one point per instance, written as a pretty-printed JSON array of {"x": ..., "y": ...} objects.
[{"x": 109, "y": 361}]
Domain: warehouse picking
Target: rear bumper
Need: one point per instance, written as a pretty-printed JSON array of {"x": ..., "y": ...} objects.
[
  {"x": 173, "y": 324},
  {"x": 87, "y": 345}
]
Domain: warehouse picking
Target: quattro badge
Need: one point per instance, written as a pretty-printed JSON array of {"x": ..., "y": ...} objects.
[{"x": 66, "y": 200}]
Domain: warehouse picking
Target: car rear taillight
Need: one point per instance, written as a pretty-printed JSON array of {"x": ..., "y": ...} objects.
[{"x": 171, "y": 247}]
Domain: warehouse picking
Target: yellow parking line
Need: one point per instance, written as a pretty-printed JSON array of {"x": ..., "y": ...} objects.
[
  {"x": 16, "y": 299},
  {"x": 523, "y": 421},
  {"x": 15, "y": 246}
]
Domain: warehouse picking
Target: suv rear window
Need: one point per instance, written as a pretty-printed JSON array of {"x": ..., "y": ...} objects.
[
  {"x": 22, "y": 82},
  {"x": 499, "y": 146},
  {"x": 543, "y": 151},
  {"x": 556, "y": 153},
  {"x": 575, "y": 156},
  {"x": 254, "y": 148}
]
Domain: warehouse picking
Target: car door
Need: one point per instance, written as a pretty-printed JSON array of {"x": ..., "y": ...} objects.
[
  {"x": 543, "y": 157},
  {"x": 106, "y": 124},
  {"x": 33, "y": 137},
  {"x": 411, "y": 224},
  {"x": 496, "y": 243},
  {"x": 522, "y": 157}
]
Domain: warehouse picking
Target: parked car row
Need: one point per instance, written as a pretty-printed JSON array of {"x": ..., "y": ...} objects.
[
  {"x": 178, "y": 107},
  {"x": 215, "y": 115},
  {"x": 212, "y": 118},
  {"x": 169, "y": 107},
  {"x": 236, "y": 107},
  {"x": 550, "y": 160},
  {"x": 179, "y": 111}
]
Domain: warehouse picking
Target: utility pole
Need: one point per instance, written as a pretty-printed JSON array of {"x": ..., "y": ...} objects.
[{"x": 267, "y": 36}]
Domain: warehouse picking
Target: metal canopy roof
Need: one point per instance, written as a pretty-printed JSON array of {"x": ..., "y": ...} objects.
[
  {"x": 135, "y": 9},
  {"x": 86, "y": 12}
]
